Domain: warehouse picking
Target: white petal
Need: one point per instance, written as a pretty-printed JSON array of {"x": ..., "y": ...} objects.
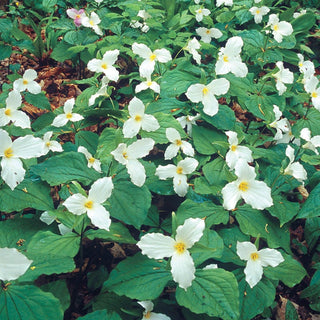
[
  {"x": 239, "y": 69},
  {"x": 231, "y": 195},
  {"x": 219, "y": 86},
  {"x": 20, "y": 119},
  {"x": 118, "y": 153},
  {"x": 231, "y": 159},
  {"x": 60, "y": 120},
  {"x": 172, "y": 134},
  {"x": 180, "y": 184},
  {"x": 232, "y": 137},
  {"x": 94, "y": 65},
  {"x": 187, "y": 148},
  {"x": 141, "y": 50},
  {"x": 190, "y": 232},
  {"x": 96, "y": 165},
  {"x": 165, "y": 172},
  {"x": 14, "y": 100},
  {"x": 210, "y": 104},
  {"x": 234, "y": 46},
  {"x": 244, "y": 171},
  {"x": 245, "y": 249},
  {"x": 68, "y": 105},
  {"x": 188, "y": 165},
  {"x": 101, "y": 190},
  {"x": 30, "y": 75},
  {"x": 18, "y": 85},
  {"x": 194, "y": 92},
  {"x": 285, "y": 28},
  {"x": 34, "y": 87},
  {"x": 140, "y": 148},
  {"x": 112, "y": 73},
  {"x": 258, "y": 195},
  {"x": 182, "y": 269},
  {"x": 4, "y": 119},
  {"x": 270, "y": 257},
  {"x": 63, "y": 229},
  {"x": 141, "y": 86},
  {"x": 76, "y": 117},
  {"x": 75, "y": 204},
  {"x": 163, "y": 55},
  {"x": 146, "y": 68},
  {"x": 298, "y": 171},
  {"x": 99, "y": 216},
  {"x": 27, "y": 147},
  {"x": 12, "y": 171},
  {"x": 244, "y": 153},
  {"x": 222, "y": 67},
  {"x": 171, "y": 151},
  {"x": 253, "y": 272},
  {"x": 5, "y": 142},
  {"x": 155, "y": 87},
  {"x": 131, "y": 128},
  {"x": 305, "y": 134},
  {"x": 146, "y": 305},
  {"x": 85, "y": 151},
  {"x": 46, "y": 218},
  {"x": 150, "y": 123},
  {"x": 290, "y": 153},
  {"x": 137, "y": 172},
  {"x": 136, "y": 107}
]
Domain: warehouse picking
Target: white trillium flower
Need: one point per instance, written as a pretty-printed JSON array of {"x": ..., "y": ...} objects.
[
  {"x": 236, "y": 152},
  {"x": 129, "y": 155},
  {"x": 13, "y": 264},
  {"x": 62, "y": 119},
  {"x": 312, "y": 143},
  {"x": 224, "y": 2},
  {"x": 206, "y": 34},
  {"x": 92, "y": 162},
  {"x": 103, "y": 91},
  {"x": 159, "y": 246},
  {"x": 284, "y": 75},
  {"x": 105, "y": 65},
  {"x": 27, "y": 82},
  {"x": 311, "y": 88},
  {"x": 148, "y": 84},
  {"x": 178, "y": 173},
  {"x": 52, "y": 145},
  {"x": 294, "y": 169},
  {"x": 298, "y": 14},
  {"x": 148, "y": 314},
  {"x": 305, "y": 67},
  {"x": 206, "y": 94},
  {"x": 150, "y": 57},
  {"x": 256, "y": 260},
  {"x": 255, "y": 193},
  {"x": 100, "y": 191},
  {"x": 192, "y": 47},
  {"x": 138, "y": 119},
  {"x": 279, "y": 28},
  {"x": 229, "y": 59},
  {"x": 11, "y": 112},
  {"x": 26, "y": 147},
  {"x": 188, "y": 121},
  {"x": 92, "y": 22},
  {"x": 258, "y": 13},
  {"x": 200, "y": 13},
  {"x": 174, "y": 137},
  {"x": 281, "y": 125}
]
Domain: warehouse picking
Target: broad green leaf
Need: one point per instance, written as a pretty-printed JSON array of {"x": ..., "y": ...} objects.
[
  {"x": 38, "y": 100},
  {"x": 291, "y": 312},
  {"x": 303, "y": 23},
  {"x": 311, "y": 208},
  {"x": 133, "y": 275},
  {"x": 261, "y": 106},
  {"x": 60, "y": 290},
  {"x": 223, "y": 120},
  {"x": 312, "y": 231},
  {"x": 88, "y": 140},
  {"x": 311, "y": 121},
  {"x": 5, "y": 51},
  {"x": 165, "y": 105},
  {"x": 101, "y": 315},
  {"x": 214, "y": 292},
  {"x": 49, "y": 4}
]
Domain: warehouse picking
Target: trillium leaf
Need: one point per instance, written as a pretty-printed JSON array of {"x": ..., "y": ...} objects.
[
  {"x": 223, "y": 120},
  {"x": 38, "y": 100},
  {"x": 101, "y": 315},
  {"x": 311, "y": 208}
]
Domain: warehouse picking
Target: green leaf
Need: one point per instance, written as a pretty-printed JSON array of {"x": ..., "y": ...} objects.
[
  {"x": 311, "y": 208},
  {"x": 38, "y": 100},
  {"x": 303, "y": 23},
  {"x": 101, "y": 315},
  {"x": 88, "y": 140},
  {"x": 49, "y": 4},
  {"x": 28, "y": 303},
  {"x": 60, "y": 290},
  {"x": 64, "y": 168},
  {"x": 5, "y": 51},
  {"x": 214, "y": 292},
  {"x": 133, "y": 275},
  {"x": 223, "y": 120},
  {"x": 291, "y": 312},
  {"x": 311, "y": 121}
]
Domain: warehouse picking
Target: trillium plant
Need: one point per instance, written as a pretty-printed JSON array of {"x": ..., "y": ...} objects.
[{"x": 159, "y": 160}]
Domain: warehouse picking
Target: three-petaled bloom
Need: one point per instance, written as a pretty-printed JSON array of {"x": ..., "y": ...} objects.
[
  {"x": 150, "y": 57},
  {"x": 128, "y": 156},
  {"x": 253, "y": 192},
  {"x": 206, "y": 34},
  {"x": 192, "y": 46},
  {"x": 148, "y": 84},
  {"x": 279, "y": 28},
  {"x": 159, "y": 246},
  {"x": 294, "y": 169},
  {"x": 256, "y": 260},
  {"x": 100, "y": 191},
  {"x": 76, "y": 15},
  {"x": 310, "y": 86},
  {"x": 281, "y": 125},
  {"x": 105, "y": 65},
  {"x": 178, "y": 173},
  {"x": 188, "y": 121},
  {"x": 258, "y": 13},
  {"x": 305, "y": 67},
  {"x": 200, "y": 13},
  {"x": 312, "y": 143},
  {"x": 148, "y": 314},
  {"x": 26, "y": 147},
  {"x": 174, "y": 137},
  {"x": 92, "y": 162},
  {"x": 138, "y": 119},
  {"x": 13, "y": 264},
  {"x": 62, "y": 119},
  {"x": 27, "y": 82},
  {"x": 206, "y": 94},
  {"x": 236, "y": 152},
  {"x": 11, "y": 112},
  {"x": 52, "y": 145},
  {"x": 229, "y": 59},
  {"x": 284, "y": 75},
  {"x": 92, "y": 22}
]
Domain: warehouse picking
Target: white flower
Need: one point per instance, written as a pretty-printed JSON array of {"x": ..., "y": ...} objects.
[
  {"x": 62, "y": 119},
  {"x": 305, "y": 67},
  {"x": 258, "y": 13},
  {"x": 48, "y": 219},
  {"x": 138, "y": 119},
  {"x": 206, "y": 34},
  {"x": 298, "y": 14},
  {"x": 294, "y": 169},
  {"x": 52, "y": 145},
  {"x": 147, "y": 314},
  {"x": 284, "y": 75},
  {"x": 105, "y": 65},
  {"x": 13, "y": 264},
  {"x": 281, "y": 125},
  {"x": 311, "y": 87},
  {"x": 92, "y": 23},
  {"x": 188, "y": 121},
  {"x": 26, "y": 147},
  {"x": 92, "y": 162},
  {"x": 100, "y": 191},
  {"x": 236, "y": 152},
  {"x": 279, "y": 28},
  {"x": 229, "y": 59},
  {"x": 144, "y": 85},
  {"x": 176, "y": 143},
  {"x": 257, "y": 1},
  {"x": 103, "y": 91},
  {"x": 150, "y": 57},
  {"x": 200, "y": 13},
  {"x": 178, "y": 173},
  {"x": 206, "y": 94},
  {"x": 225, "y": 2},
  {"x": 256, "y": 260},
  {"x": 11, "y": 112},
  {"x": 192, "y": 47},
  {"x": 159, "y": 246},
  {"x": 27, "y": 82},
  {"x": 253, "y": 192},
  {"x": 312, "y": 143},
  {"x": 129, "y": 156}
]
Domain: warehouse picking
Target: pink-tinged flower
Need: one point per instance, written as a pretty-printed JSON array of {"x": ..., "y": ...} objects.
[{"x": 76, "y": 15}]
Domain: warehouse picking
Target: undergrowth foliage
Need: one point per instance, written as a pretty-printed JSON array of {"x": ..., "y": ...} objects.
[{"x": 171, "y": 185}]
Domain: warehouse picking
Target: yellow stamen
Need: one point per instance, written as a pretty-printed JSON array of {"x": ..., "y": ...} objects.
[
  {"x": 300, "y": 64},
  {"x": 25, "y": 82},
  {"x": 88, "y": 204},
  {"x": 124, "y": 154},
  {"x": 200, "y": 11},
  {"x": 243, "y": 186},
  {"x": 314, "y": 94},
  {"x": 147, "y": 315},
  {"x": 258, "y": 11},
  {"x": 7, "y": 112},
  {"x": 8, "y": 153},
  {"x": 179, "y": 170},
  {"x": 78, "y": 16},
  {"x": 275, "y": 27},
  {"x": 207, "y": 31},
  {"x": 152, "y": 57},
  {"x": 180, "y": 247},
  {"x": 138, "y": 118},
  {"x": 233, "y": 148},
  {"x": 69, "y": 115},
  {"x": 178, "y": 142},
  {"x": 48, "y": 144},
  {"x": 254, "y": 256},
  {"x": 225, "y": 59},
  {"x": 104, "y": 66},
  {"x": 92, "y": 160},
  {"x": 91, "y": 23},
  {"x": 149, "y": 83},
  {"x": 205, "y": 90}
]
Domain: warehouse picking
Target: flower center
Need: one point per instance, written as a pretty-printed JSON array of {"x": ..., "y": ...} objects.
[
  {"x": 207, "y": 31},
  {"x": 92, "y": 160},
  {"x": 300, "y": 64},
  {"x": 149, "y": 83},
  {"x": 152, "y": 57},
  {"x": 225, "y": 59},
  {"x": 180, "y": 247},
  {"x": 179, "y": 170},
  {"x": 8, "y": 153},
  {"x": 25, "y": 82},
  {"x": 178, "y": 142},
  {"x": 124, "y": 154},
  {"x": 233, "y": 148},
  {"x": 138, "y": 118},
  {"x": 243, "y": 186},
  {"x": 7, "y": 112},
  {"x": 200, "y": 11},
  {"x": 314, "y": 94},
  {"x": 88, "y": 204},
  {"x": 275, "y": 27},
  {"x": 91, "y": 23},
  {"x": 104, "y": 66},
  {"x": 78, "y": 16},
  {"x": 254, "y": 256},
  {"x": 69, "y": 115},
  {"x": 258, "y": 11},
  {"x": 48, "y": 144},
  {"x": 205, "y": 90}
]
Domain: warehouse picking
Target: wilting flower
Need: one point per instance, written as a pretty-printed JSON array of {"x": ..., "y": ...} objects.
[
  {"x": 11, "y": 112},
  {"x": 148, "y": 314},
  {"x": 92, "y": 162},
  {"x": 258, "y": 13},
  {"x": 100, "y": 191},
  {"x": 92, "y": 23},
  {"x": 178, "y": 173},
  {"x": 310, "y": 86},
  {"x": 279, "y": 28},
  {"x": 312, "y": 143},
  {"x": 159, "y": 246},
  {"x": 188, "y": 121},
  {"x": 256, "y": 260},
  {"x": 76, "y": 15},
  {"x": 206, "y": 34},
  {"x": 62, "y": 119},
  {"x": 52, "y": 145},
  {"x": 253, "y": 192},
  {"x": 103, "y": 91},
  {"x": 192, "y": 47},
  {"x": 200, "y": 13},
  {"x": 27, "y": 82},
  {"x": 294, "y": 169},
  {"x": 284, "y": 75}
]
